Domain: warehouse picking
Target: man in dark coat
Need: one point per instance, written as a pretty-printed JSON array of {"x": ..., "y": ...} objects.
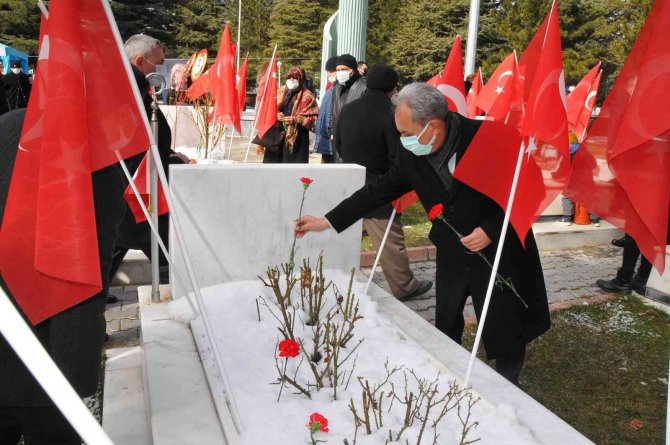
[
  {"x": 145, "y": 53},
  {"x": 349, "y": 87},
  {"x": 17, "y": 86},
  {"x": 73, "y": 338},
  {"x": 435, "y": 141},
  {"x": 366, "y": 135}
]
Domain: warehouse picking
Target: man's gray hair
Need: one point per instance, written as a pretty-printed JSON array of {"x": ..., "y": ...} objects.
[
  {"x": 140, "y": 45},
  {"x": 425, "y": 102}
]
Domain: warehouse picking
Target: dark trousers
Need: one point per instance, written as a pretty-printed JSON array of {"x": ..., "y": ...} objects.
[
  {"x": 43, "y": 425},
  {"x": 631, "y": 252},
  {"x": 453, "y": 325}
]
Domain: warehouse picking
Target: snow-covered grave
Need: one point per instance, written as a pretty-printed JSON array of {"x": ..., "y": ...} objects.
[{"x": 237, "y": 222}]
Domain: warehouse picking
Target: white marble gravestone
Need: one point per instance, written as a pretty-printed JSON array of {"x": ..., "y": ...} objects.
[{"x": 238, "y": 219}]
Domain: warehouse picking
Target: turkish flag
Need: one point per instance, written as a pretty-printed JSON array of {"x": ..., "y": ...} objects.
[
  {"x": 471, "y": 100},
  {"x": 405, "y": 201},
  {"x": 266, "y": 99},
  {"x": 141, "y": 180},
  {"x": 576, "y": 100},
  {"x": 222, "y": 85},
  {"x": 489, "y": 162},
  {"x": 242, "y": 84},
  {"x": 585, "y": 117},
  {"x": 450, "y": 81},
  {"x": 199, "y": 87},
  {"x": 48, "y": 241},
  {"x": 621, "y": 171},
  {"x": 488, "y": 166},
  {"x": 497, "y": 95}
]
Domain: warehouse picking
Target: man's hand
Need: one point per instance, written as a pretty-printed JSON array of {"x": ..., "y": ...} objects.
[
  {"x": 182, "y": 156},
  {"x": 260, "y": 150},
  {"x": 310, "y": 223},
  {"x": 477, "y": 240}
]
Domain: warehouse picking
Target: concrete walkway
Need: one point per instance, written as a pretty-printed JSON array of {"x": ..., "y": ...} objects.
[{"x": 570, "y": 277}]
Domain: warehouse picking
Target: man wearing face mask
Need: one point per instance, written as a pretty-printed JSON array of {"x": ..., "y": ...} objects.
[
  {"x": 366, "y": 135},
  {"x": 434, "y": 141},
  {"x": 324, "y": 143},
  {"x": 17, "y": 86},
  {"x": 350, "y": 86}
]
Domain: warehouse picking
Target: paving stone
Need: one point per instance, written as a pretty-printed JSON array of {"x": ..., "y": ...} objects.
[{"x": 130, "y": 323}]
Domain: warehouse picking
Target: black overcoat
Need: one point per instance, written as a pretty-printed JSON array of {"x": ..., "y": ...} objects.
[
  {"x": 509, "y": 325},
  {"x": 366, "y": 135}
]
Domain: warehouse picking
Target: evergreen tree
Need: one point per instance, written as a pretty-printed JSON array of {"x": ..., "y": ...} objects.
[
  {"x": 198, "y": 24},
  {"x": 151, "y": 17},
  {"x": 422, "y": 40},
  {"x": 254, "y": 33},
  {"x": 383, "y": 20},
  {"x": 297, "y": 30},
  {"x": 20, "y": 25}
]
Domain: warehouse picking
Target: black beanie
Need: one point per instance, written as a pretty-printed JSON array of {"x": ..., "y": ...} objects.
[
  {"x": 382, "y": 78},
  {"x": 331, "y": 64},
  {"x": 348, "y": 60}
]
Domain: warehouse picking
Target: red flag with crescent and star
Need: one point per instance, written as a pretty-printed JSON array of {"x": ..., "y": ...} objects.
[
  {"x": 473, "y": 93},
  {"x": 242, "y": 84},
  {"x": 143, "y": 184},
  {"x": 489, "y": 162},
  {"x": 223, "y": 86},
  {"x": 621, "y": 171},
  {"x": 267, "y": 98},
  {"x": 576, "y": 100},
  {"x": 497, "y": 95},
  {"x": 48, "y": 241},
  {"x": 584, "y": 118},
  {"x": 450, "y": 81}
]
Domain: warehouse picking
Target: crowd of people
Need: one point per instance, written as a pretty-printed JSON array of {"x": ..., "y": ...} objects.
[{"x": 407, "y": 140}]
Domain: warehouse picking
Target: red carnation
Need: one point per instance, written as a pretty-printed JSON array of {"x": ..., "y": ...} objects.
[
  {"x": 306, "y": 181},
  {"x": 317, "y": 422},
  {"x": 435, "y": 212},
  {"x": 289, "y": 348}
]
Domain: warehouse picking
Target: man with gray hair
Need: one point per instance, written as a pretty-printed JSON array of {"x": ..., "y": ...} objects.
[
  {"x": 144, "y": 53},
  {"x": 434, "y": 141}
]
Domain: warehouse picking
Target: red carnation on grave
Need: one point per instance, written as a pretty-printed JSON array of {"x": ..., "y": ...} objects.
[
  {"x": 435, "y": 212},
  {"x": 317, "y": 422},
  {"x": 289, "y": 348},
  {"x": 306, "y": 181}
]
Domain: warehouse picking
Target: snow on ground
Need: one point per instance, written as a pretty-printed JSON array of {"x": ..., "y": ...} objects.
[{"x": 248, "y": 348}]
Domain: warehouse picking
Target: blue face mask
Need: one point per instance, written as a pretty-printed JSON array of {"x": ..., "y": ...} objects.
[{"x": 412, "y": 143}]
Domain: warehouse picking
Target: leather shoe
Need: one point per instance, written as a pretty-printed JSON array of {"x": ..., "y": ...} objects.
[
  {"x": 615, "y": 285},
  {"x": 423, "y": 287},
  {"x": 618, "y": 242}
]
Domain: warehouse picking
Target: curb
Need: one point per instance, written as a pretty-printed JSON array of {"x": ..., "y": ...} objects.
[{"x": 415, "y": 255}]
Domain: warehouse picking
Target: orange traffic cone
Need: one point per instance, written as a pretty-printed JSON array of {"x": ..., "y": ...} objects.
[{"x": 582, "y": 214}]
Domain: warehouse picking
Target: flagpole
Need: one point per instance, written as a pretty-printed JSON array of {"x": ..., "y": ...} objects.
[
  {"x": 31, "y": 352},
  {"x": 496, "y": 264},
  {"x": 260, "y": 106},
  {"x": 239, "y": 25},
  {"x": 379, "y": 253},
  {"x": 471, "y": 44},
  {"x": 43, "y": 8},
  {"x": 230, "y": 402}
]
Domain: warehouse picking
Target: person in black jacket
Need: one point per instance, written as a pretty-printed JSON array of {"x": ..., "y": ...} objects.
[
  {"x": 349, "y": 87},
  {"x": 145, "y": 53},
  {"x": 435, "y": 141},
  {"x": 17, "y": 86},
  {"x": 366, "y": 135},
  {"x": 73, "y": 338}
]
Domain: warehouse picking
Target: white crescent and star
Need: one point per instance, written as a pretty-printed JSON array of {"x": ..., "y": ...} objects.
[
  {"x": 588, "y": 103},
  {"x": 453, "y": 94}
]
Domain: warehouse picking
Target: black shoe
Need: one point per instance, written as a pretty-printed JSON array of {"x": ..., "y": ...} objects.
[
  {"x": 615, "y": 285},
  {"x": 640, "y": 285},
  {"x": 423, "y": 287},
  {"x": 111, "y": 299},
  {"x": 618, "y": 242}
]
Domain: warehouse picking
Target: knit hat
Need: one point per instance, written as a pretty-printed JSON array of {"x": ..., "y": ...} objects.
[
  {"x": 348, "y": 60},
  {"x": 382, "y": 78},
  {"x": 331, "y": 64}
]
